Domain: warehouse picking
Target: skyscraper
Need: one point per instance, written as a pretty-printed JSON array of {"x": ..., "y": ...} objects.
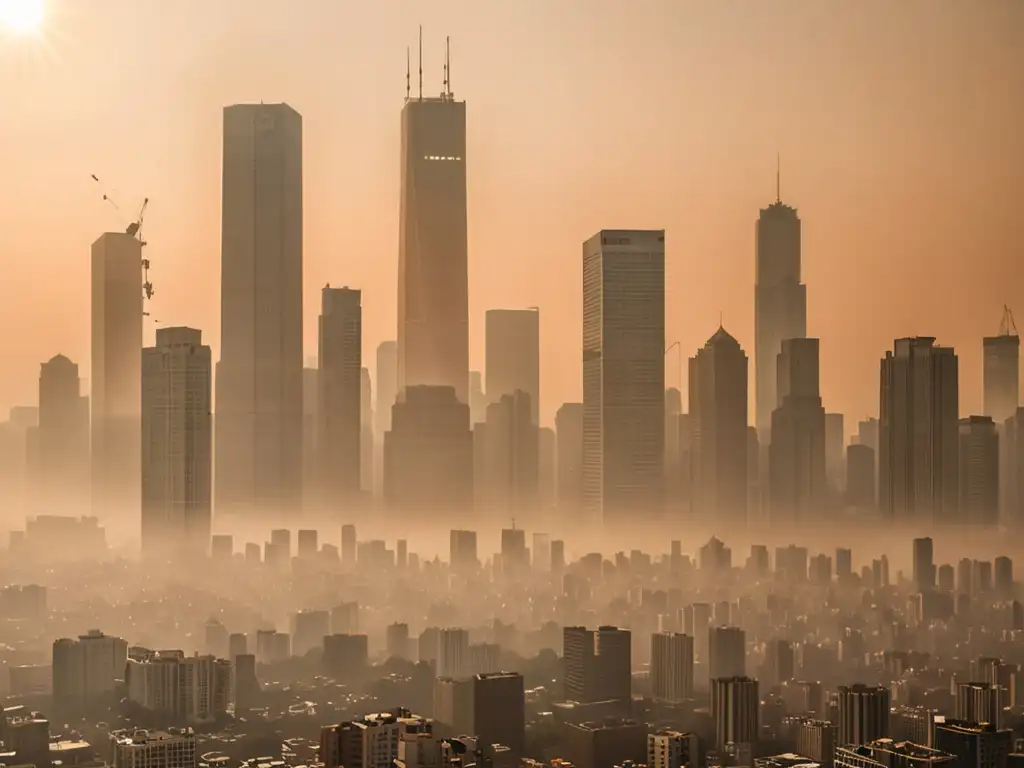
[
  {"x": 433, "y": 292},
  {"x": 116, "y": 371},
  {"x": 718, "y": 430},
  {"x": 796, "y": 455},
  {"x": 672, "y": 666},
  {"x": 340, "y": 395},
  {"x": 597, "y": 664},
  {"x": 63, "y": 450},
  {"x": 366, "y": 441},
  {"x": 623, "y": 373},
  {"x": 569, "y": 462},
  {"x": 736, "y": 708},
  {"x": 918, "y": 464},
  {"x": 510, "y": 455},
  {"x": 177, "y": 443},
  {"x": 863, "y": 714},
  {"x": 1002, "y": 371},
  {"x": 259, "y": 383},
  {"x": 780, "y": 301},
  {"x": 513, "y": 355},
  {"x": 979, "y": 471},
  {"x": 387, "y": 387}
]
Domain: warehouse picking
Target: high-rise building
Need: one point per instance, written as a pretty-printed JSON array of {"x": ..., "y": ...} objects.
[
  {"x": 924, "y": 564},
  {"x": 860, "y": 476},
  {"x": 979, "y": 471},
  {"x": 979, "y": 745},
  {"x": 138, "y": 748},
  {"x": 428, "y": 454},
  {"x": 513, "y": 355},
  {"x": 386, "y": 395},
  {"x": 672, "y": 666},
  {"x": 672, "y": 749},
  {"x": 623, "y": 374},
  {"x": 1002, "y": 371},
  {"x": 780, "y": 302},
  {"x": 797, "y": 460},
  {"x": 835, "y": 442},
  {"x": 863, "y": 714},
  {"x": 718, "y": 430},
  {"x": 918, "y": 438},
  {"x": 597, "y": 664},
  {"x": 86, "y": 671},
  {"x": 736, "y": 708},
  {"x": 453, "y": 653},
  {"x": 510, "y": 458},
  {"x": 979, "y": 703},
  {"x": 499, "y": 710},
  {"x": 816, "y": 739},
  {"x": 116, "y": 371},
  {"x": 310, "y": 453},
  {"x": 179, "y": 687},
  {"x": 569, "y": 461},
  {"x": 366, "y": 441},
  {"x": 462, "y": 555},
  {"x": 62, "y": 467},
  {"x": 259, "y": 378},
  {"x": 433, "y": 292},
  {"x": 177, "y": 443},
  {"x": 339, "y": 409},
  {"x": 727, "y": 652},
  {"x": 1011, "y": 469}
]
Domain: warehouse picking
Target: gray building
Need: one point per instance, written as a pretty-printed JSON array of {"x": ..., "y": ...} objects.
[
  {"x": 259, "y": 406},
  {"x": 979, "y": 471},
  {"x": 569, "y": 461},
  {"x": 177, "y": 443},
  {"x": 1001, "y": 361},
  {"x": 513, "y": 355}
]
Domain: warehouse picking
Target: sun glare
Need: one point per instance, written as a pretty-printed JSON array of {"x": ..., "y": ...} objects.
[{"x": 22, "y": 17}]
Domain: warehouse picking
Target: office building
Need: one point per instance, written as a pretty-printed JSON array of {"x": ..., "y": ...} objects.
[
  {"x": 979, "y": 471},
  {"x": 462, "y": 552},
  {"x": 433, "y": 292},
  {"x": 513, "y": 355},
  {"x": 259, "y": 406},
  {"x": 977, "y": 745},
  {"x": 310, "y": 454},
  {"x": 979, "y": 703},
  {"x": 1001, "y": 371},
  {"x": 116, "y": 372},
  {"x": 346, "y": 656},
  {"x": 623, "y": 374},
  {"x": 918, "y": 437},
  {"x": 718, "y": 430},
  {"x": 453, "y": 653},
  {"x": 569, "y": 461},
  {"x": 499, "y": 711},
  {"x": 508, "y": 456},
  {"x": 863, "y": 714},
  {"x": 366, "y": 440},
  {"x": 835, "y": 459},
  {"x": 597, "y": 664},
  {"x": 736, "y": 709},
  {"x": 428, "y": 454},
  {"x": 138, "y": 748},
  {"x": 780, "y": 302},
  {"x": 797, "y": 455},
  {"x": 177, "y": 443},
  {"x": 62, "y": 458},
  {"x": 860, "y": 476},
  {"x": 86, "y": 671},
  {"x": 339, "y": 408},
  {"x": 672, "y": 666},
  {"x": 816, "y": 739},
  {"x": 177, "y": 687},
  {"x": 727, "y": 652}
]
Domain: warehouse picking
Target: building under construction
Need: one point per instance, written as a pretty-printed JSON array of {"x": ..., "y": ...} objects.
[{"x": 1002, "y": 370}]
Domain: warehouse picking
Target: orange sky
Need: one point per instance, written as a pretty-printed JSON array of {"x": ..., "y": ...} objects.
[{"x": 900, "y": 124}]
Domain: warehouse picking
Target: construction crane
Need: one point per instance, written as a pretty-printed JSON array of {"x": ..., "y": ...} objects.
[
  {"x": 134, "y": 229},
  {"x": 1007, "y": 327}
]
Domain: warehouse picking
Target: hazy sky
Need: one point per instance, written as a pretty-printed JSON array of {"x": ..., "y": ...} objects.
[{"x": 900, "y": 124}]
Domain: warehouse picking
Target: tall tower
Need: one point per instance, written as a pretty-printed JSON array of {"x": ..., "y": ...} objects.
[
  {"x": 1002, "y": 371},
  {"x": 339, "y": 408},
  {"x": 177, "y": 443},
  {"x": 63, "y": 458},
  {"x": 979, "y": 471},
  {"x": 780, "y": 301},
  {"x": 433, "y": 282},
  {"x": 623, "y": 373},
  {"x": 116, "y": 371},
  {"x": 918, "y": 465},
  {"x": 718, "y": 429},
  {"x": 513, "y": 355},
  {"x": 259, "y": 382}
]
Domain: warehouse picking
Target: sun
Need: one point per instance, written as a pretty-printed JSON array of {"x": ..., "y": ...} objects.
[{"x": 23, "y": 17}]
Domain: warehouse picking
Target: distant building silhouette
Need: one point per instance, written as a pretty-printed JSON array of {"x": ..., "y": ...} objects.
[
  {"x": 979, "y": 471},
  {"x": 918, "y": 433},
  {"x": 780, "y": 302},
  {"x": 513, "y": 355},
  {"x": 1001, "y": 358},
  {"x": 386, "y": 381},
  {"x": 177, "y": 443},
  {"x": 736, "y": 709},
  {"x": 433, "y": 288},
  {"x": 116, "y": 372},
  {"x": 62, "y": 453},
  {"x": 1011, "y": 469},
  {"x": 510, "y": 459},
  {"x": 860, "y": 476},
  {"x": 718, "y": 430},
  {"x": 623, "y": 374},
  {"x": 339, "y": 408},
  {"x": 672, "y": 666},
  {"x": 597, "y": 664},
  {"x": 835, "y": 458},
  {"x": 259, "y": 394},
  {"x": 428, "y": 454},
  {"x": 569, "y": 463},
  {"x": 797, "y": 454},
  {"x": 366, "y": 441}
]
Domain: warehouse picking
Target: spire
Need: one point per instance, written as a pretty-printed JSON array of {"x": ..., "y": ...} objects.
[
  {"x": 408, "y": 74},
  {"x": 421, "y": 62}
]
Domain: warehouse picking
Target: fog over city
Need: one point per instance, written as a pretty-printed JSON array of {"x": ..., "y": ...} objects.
[{"x": 568, "y": 384}]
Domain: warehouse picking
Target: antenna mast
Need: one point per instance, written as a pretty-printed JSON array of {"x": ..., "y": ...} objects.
[
  {"x": 421, "y": 62},
  {"x": 408, "y": 74},
  {"x": 1007, "y": 327},
  {"x": 778, "y": 177},
  {"x": 447, "y": 67}
]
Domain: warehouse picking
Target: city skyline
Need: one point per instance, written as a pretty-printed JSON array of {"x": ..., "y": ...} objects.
[{"x": 710, "y": 259}]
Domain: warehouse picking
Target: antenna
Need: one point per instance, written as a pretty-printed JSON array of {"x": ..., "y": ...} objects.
[
  {"x": 778, "y": 177},
  {"x": 1007, "y": 327},
  {"x": 408, "y": 74},
  {"x": 447, "y": 66},
  {"x": 421, "y": 62}
]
